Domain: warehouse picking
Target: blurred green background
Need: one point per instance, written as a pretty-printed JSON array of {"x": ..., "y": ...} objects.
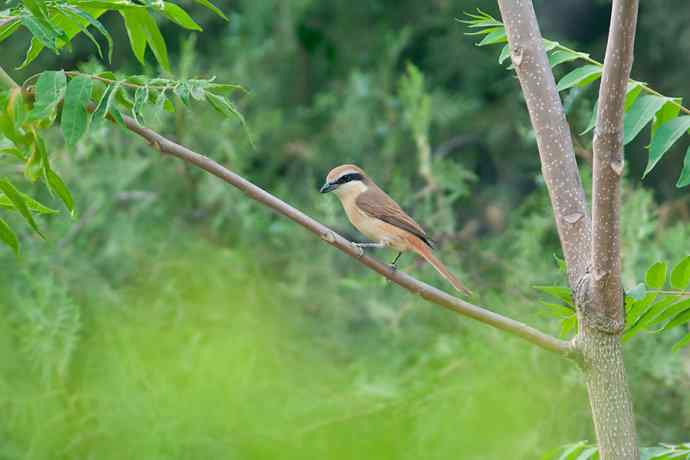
[{"x": 173, "y": 318}]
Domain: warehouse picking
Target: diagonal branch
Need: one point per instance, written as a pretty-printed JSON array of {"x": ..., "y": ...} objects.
[
  {"x": 556, "y": 152},
  {"x": 413, "y": 285},
  {"x": 428, "y": 292},
  {"x": 607, "y": 289}
]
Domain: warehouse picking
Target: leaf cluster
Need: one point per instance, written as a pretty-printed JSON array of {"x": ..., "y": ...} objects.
[
  {"x": 54, "y": 24},
  {"x": 583, "y": 450},
  {"x": 658, "y": 304},
  {"x": 77, "y": 100},
  {"x": 653, "y": 109}
]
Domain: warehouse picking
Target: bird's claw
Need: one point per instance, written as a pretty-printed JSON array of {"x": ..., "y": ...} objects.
[{"x": 393, "y": 267}]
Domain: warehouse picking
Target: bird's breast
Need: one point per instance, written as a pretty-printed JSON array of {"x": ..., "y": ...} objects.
[{"x": 377, "y": 230}]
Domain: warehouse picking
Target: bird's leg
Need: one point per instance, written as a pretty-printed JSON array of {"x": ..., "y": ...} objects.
[{"x": 393, "y": 265}]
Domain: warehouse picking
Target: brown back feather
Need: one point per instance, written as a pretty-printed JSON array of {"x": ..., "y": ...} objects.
[{"x": 376, "y": 203}]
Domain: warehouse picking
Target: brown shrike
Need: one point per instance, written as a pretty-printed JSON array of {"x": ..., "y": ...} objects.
[{"x": 381, "y": 219}]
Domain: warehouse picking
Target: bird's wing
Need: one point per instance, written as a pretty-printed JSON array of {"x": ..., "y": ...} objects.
[{"x": 377, "y": 204}]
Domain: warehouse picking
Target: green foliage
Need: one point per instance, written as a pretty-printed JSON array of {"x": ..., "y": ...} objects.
[
  {"x": 72, "y": 96},
  {"x": 201, "y": 331},
  {"x": 416, "y": 102},
  {"x": 54, "y": 24},
  {"x": 583, "y": 450},
  {"x": 667, "y": 128},
  {"x": 648, "y": 306}
]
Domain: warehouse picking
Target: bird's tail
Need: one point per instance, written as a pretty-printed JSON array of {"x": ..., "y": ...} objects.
[{"x": 425, "y": 251}]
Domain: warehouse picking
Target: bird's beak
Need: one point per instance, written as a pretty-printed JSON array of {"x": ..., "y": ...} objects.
[{"x": 328, "y": 187}]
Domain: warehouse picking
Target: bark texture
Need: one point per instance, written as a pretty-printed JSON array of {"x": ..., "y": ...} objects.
[
  {"x": 607, "y": 289},
  {"x": 609, "y": 397}
]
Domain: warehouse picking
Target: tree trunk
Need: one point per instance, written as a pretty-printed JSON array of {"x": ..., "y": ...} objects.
[{"x": 609, "y": 397}]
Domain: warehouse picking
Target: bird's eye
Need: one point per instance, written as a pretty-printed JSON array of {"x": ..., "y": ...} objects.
[{"x": 349, "y": 178}]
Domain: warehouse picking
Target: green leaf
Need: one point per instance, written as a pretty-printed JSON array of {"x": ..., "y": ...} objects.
[
  {"x": 58, "y": 187},
  {"x": 671, "y": 311},
  {"x": 505, "y": 54},
  {"x": 95, "y": 23},
  {"x": 681, "y": 344},
  {"x": 8, "y": 29},
  {"x": 562, "y": 266},
  {"x": 549, "y": 44},
  {"x": 559, "y": 292},
  {"x": 182, "y": 91},
  {"x": 684, "y": 178},
  {"x": 668, "y": 112},
  {"x": 32, "y": 168},
  {"x": 117, "y": 5},
  {"x": 156, "y": 41},
  {"x": 568, "y": 325},
  {"x": 587, "y": 453},
  {"x": 641, "y": 113},
  {"x": 631, "y": 93},
  {"x": 211, "y": 7},
  {"x": 50, "y": 88},
  {"x": 666, "y": 136},
  {"x": 140, "y": 98},
  {"x": 656, "y": 275},
  {"x": 179, "y": 16},
  {"x": 680, "y": 275},
  {"x": 143, "y": 30},
  {"x": 35, "y": 48},
  {"x": 37, "y": 8},
  {"x": 224, "y": 88},
  {"x": 681, "y": 318},
  {"x": 32, "y": 204},
  {"x": 572, "y": 451},
  {"x": 8, "y": 236},
  {"x": 560, "y": 56},
  {"x": 224, "y": 106},
  {"x": 649, "y": 316},
  {"x": 19, "y": 203},
  {"x": 7, "y": 147},
  {"x": 493, "y": 38},
  {"x": 106, "y": 102},
  {"x": 136, "y": 31},
  {"x": 558, "y": 310},
  {"x": 42, "y": 32},
  {"x": 581, "y": 76},
  {"x": 75, "y": 118},
  {"x": 637, "y": 308}
]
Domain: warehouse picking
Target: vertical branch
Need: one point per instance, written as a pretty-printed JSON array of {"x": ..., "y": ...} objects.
[
  {"x": 559, "y": 167},
  {"x": 607, "y": 290},
  {"x": 607, "y": 387}
]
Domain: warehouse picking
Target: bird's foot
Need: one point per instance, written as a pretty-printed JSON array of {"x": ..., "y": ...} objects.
[
  {"x": 369, "y": 245},
  {"x": 393, "y": 267}
]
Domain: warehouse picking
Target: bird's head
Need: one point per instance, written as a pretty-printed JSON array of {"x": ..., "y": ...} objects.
[{"x": 345, "y": 180}]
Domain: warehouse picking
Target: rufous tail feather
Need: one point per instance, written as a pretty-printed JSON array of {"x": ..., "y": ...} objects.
[{"x": 425, "y": 251}]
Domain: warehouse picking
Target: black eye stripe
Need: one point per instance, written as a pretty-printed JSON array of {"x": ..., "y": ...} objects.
[{"x": 349, "y": 178}]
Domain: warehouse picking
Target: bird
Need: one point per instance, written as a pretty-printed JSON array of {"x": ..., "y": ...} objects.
[{"x": 378, "y": 217}]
